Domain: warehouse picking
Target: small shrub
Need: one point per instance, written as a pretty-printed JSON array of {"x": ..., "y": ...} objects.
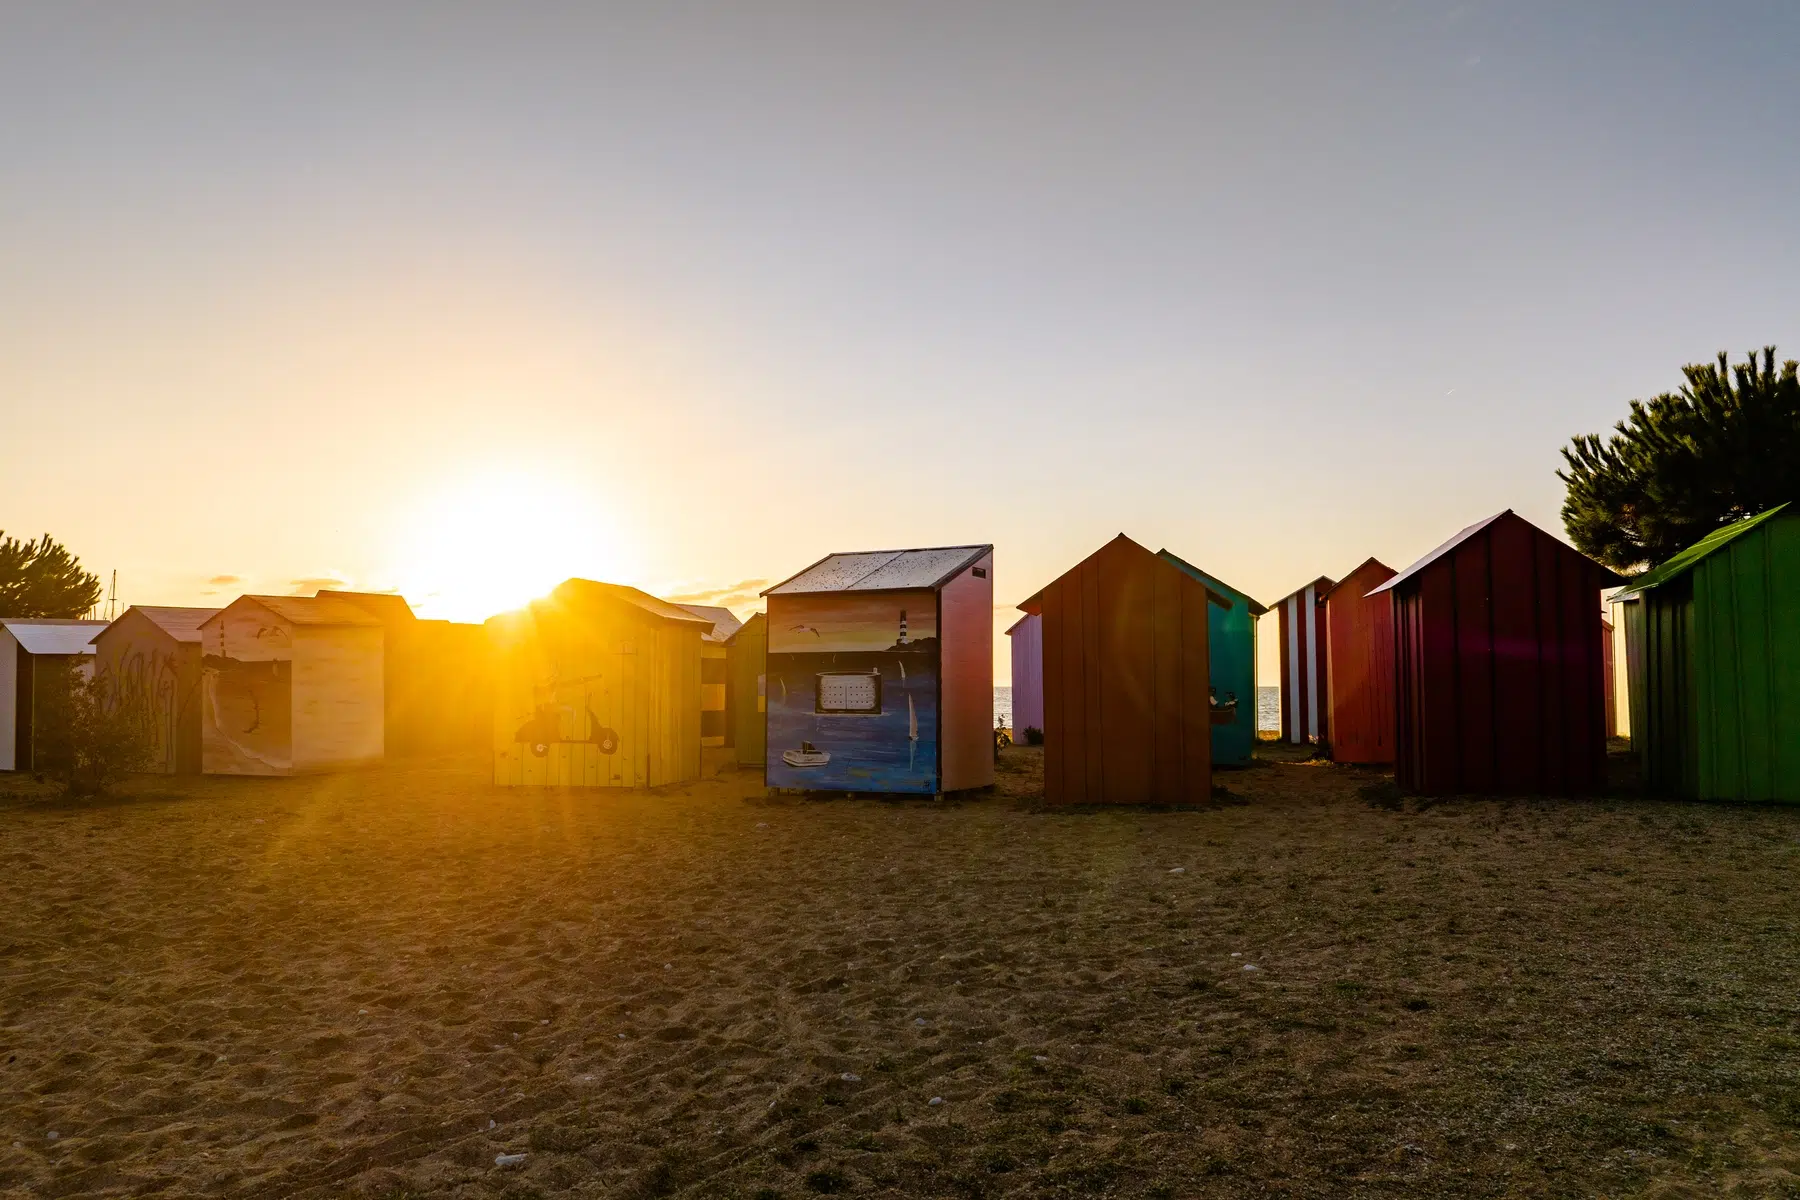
[
  {"x": 87, "y": 744},
  {"x": 828, "y": 1181},
  {"x": 1034, "y": 736}
]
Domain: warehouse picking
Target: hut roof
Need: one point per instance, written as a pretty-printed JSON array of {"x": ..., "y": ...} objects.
[
  {"x": 1320, "y": 586},
  {"x": 1718, "y": 539},
  {"x": 750, "y": 622},
  {"x": 1464, "y": 536},
  {"x": 1033, "y": 604},
  {"x": 305, "y": 610},
  {"x": 1214, "y": 582},
  {"x": 53, "y": 635},
  {"x": 724, "y": 621},
  {"x": 883, "y": 571},
  {"x": 182, "y": 624},
  {"x": 1360, "y": 568},
  {"x": 575, "y": 590},
  {"x": 1011, "y": 629},
  {"x": 390, "y": 608}
]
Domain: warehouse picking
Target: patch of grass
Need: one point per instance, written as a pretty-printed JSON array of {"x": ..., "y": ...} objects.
[{"x": 827, "y": 1181}]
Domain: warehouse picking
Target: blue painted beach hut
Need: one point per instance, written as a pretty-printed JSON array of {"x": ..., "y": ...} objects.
[
  {"x": 880, "y": 673},
  {"x": 1231, "y": 651}
]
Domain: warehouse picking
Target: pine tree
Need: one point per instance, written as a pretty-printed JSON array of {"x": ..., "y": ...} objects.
[
  {"x": 1724, "y": 447},
  {"x": 40, "y": 578}
]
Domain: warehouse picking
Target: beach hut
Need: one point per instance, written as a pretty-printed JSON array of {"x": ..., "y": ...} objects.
[
  {"x": 597, "y": 686},
  {"x": 1231, "y": 658},
  {"x": 437, "y": 687},
  {"x": 715, "y": 672},
  {"x": 290, "y": 685},
  {"x": 1713, "y": 646},
  {"x": 1026, "y": 636},
  {"x": 881, "y": 672},
  {"x": 1608, "y": 672},
  {"x": 1127, "y": 705},
  {"x": 747, "y": 664},
  {"x": 1359, "y": 666},
  {"x": 1497, "y": 665},
  {"x": 147, "y": 664},
  {"x": 35, "y": 654},
  {"x": 1305, "y": 677}
]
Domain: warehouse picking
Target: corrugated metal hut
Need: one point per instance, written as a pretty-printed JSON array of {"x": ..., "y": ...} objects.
[
  {"x": 147, "y": 664},
  {"x": 1231, "y": 658},
  {"x": 34, "y": 655},
  {"x": 1305, "y": 676},
  {"x": 1127, "y": 690},
  {"x": 881, "y": 672},
  {"x": 715, "y": 672},
  {"x": 1359, "y": 666},
  {"x": 1027, "y": 638},
  {"x": 1498, "y": 664},
  {"x": 747, "y": 663},
  {"x": 597, "y": 686},
  {"x": 290, "y": 685},
  {"x": 1713, "y": 642},
  {"x": 437, "y": 684}
]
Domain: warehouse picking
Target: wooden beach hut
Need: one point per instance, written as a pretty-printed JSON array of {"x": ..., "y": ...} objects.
[
  {"x": 715, "y": 673},
  {"x": 147, "y": 664},
  {"x": 1231, "y": 659},
  {"x": 1359, "y": 666},
  {"x": 1305, "y": 677},
  {"x": 1026, "y": 636},
  {"x": 597, "y": 686},
  {"x": 1713, "y": 646},
  {"x": 881, "y": 672},
  {"x": 290, "y": 685},
  {"x": 1498, "y": 663},
  {"x": 35, "y": 656},
  {"x": 437, "y": 685},
  {"x": 1127, "y": 706},
  {"x": 747, "y": 664}
]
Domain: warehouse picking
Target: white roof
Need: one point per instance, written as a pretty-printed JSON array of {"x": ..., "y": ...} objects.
[
  {"x": 725, "y": 623},
  {"x": 883, "y": 570},
  {"x": 48, "y": 635}
]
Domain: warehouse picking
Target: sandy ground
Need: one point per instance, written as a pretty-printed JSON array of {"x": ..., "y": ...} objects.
[{"x": 373, "y": 985}]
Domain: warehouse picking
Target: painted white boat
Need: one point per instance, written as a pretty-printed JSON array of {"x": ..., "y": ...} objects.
[{"x": 808, "y": 755}]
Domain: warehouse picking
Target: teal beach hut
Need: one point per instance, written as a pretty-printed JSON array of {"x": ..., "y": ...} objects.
[{"x": 1231, "y": 647}]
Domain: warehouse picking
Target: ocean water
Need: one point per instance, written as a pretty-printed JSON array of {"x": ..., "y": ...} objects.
[{"x": 1268, "y": 707}]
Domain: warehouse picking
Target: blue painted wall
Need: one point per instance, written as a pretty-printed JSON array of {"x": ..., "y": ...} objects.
[{"x": 1231, "y": 649}]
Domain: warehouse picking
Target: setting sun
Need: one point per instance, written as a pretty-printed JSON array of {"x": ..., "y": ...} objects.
[{"x": 496, "y": 539}]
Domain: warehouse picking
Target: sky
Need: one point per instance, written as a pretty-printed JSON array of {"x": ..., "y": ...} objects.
[{"x": 466, "y": 299}]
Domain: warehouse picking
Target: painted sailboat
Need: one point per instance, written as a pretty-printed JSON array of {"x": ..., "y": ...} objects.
[
  {"x": 912, "y": 732},
  {"x": 808, "y": 755}
]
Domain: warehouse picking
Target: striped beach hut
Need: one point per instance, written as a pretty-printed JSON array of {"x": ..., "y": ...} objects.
[
  {"x": 1305, "y": 677},
  {"x": 715, "y": 719}
]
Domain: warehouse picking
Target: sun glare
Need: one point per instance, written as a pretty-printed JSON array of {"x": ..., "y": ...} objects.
[{"x": 496, "y": 540}]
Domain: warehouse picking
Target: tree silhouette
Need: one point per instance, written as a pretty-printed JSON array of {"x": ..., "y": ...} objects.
[
  {"x": 1724, "y": 447},
  {"x": 40, "y": 578}
]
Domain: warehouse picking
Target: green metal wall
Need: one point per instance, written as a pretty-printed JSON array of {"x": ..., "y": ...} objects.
[
  {"x": 1663, "y": 705},
  {"x": 1746, "y": 667},
  {"x": 746, "y": 659},
  {"x": 1231, "y": 651}
]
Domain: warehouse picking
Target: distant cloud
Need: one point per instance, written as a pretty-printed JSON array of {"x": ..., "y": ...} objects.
[
  {"x": 225, "y": 580},
  {"x": 306, "y": 587},
  {"x": 742, "y": 592}
]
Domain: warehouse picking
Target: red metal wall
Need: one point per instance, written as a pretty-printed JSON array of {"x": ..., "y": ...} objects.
[
  {"x": 1359, "y": 657},
  {"x": 1499, "y": 667},
  {"x": 1305, "y": 677},
  {"x": 1127, "y": 716}
]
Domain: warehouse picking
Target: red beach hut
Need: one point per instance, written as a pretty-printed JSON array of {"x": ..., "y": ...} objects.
[
  {"x": 1359, "y": 666},
  {"x": 1498, "y": 659},
  {"x": 1127, "y": 704},
  {"x": 1305, "y": 680}
]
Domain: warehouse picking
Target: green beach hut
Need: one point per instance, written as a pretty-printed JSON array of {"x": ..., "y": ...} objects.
[
  {"x": 1712, "y": 650},
  {"x": 1231, "y": 648}
]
